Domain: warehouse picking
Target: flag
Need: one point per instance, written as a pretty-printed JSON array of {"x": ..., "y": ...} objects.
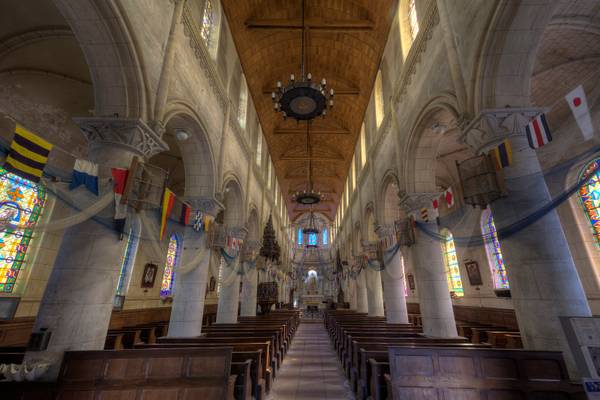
[
  {"x": 167, "y": 207},
  {"x": 449, "y": 197},
  {"x": 502, "y": 155},
  {"x": 538, "y": 133},
  {"x": 28, "y": 155},
  {"x": 198, "y": 221},
  {"x": 186, "y": 210},
  {"x": 424, "y": 214},
  {"x": 119, "y": 181},
  {"x": 435, "y": 212},
  {"x": 578, "y": 103},
  {"x": 85, "y": 173}
]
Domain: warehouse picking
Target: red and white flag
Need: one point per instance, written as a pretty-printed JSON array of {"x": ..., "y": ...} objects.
[
  {"x": 538, "y": 133},
  {"x": 119, "y": 181},
  {"x": 435, "y": 212},
  {"x": 449, "y": 197},
  {"x": 579, "y": 106}
]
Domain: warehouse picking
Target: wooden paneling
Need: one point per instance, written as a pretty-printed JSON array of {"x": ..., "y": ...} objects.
[
  {"x": 481, "y": 315},
  {"x": 475, "y": 374}
]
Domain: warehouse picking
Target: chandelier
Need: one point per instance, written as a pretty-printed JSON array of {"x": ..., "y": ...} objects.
[
  {"x": 311, "y": 227},
  {"x": 302, "y": 99},
  {"x": 309, "y": 196}
]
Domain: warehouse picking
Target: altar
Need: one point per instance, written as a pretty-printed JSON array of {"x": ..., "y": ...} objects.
[{"x": 313, "y": 300}]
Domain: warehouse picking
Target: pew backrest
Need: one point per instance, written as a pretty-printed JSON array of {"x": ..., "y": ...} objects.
[
  {"x": 136, "y": 374},
  {"x": 478, "y": 374}
]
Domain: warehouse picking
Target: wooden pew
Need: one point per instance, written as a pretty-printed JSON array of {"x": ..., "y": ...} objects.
[
  {"x": 243, "y": 381},
  {"x": 498, "y": 339},
  {"x": 378, "y": 353},
  {"x": 155, "y": 373},
  {"x": 260, "y": 383},
  {"x": 479, "y": 374},
  {"x": 514, "y": 342},
  {"x": 238, "y": 344}
]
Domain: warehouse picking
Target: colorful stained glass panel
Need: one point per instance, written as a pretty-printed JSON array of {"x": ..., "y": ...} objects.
[
  {"x": 589, "y": 194},
  {"x": 494, "y": 252},
  {"x": 166, "y": 288},
  {"x": 452, "y": 268},
  {"x": 24, "y": 200},
  {"x": 312, "y": 239}
]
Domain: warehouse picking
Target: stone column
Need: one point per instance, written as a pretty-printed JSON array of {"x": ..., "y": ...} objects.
[
  {"x": 187, "y": 310},
  {"x": 430, "y": 272},
  {"x": 374, "y": 292},
  {"x": 248, "y": 296},
  {"x": 352, "y": 294},
  {"x": 78, "y": 301},
  {"x": 393, "y": 282},
  {"x": 544, "y": 283},
  {"x": 362, "y": 302},
  {"x": 229, "y": 297}
]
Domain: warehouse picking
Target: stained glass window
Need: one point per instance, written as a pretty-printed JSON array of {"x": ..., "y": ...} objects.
[
  {"x": 589, "y": 195},
  {"x": 208, "y": 21},
  {"x": 312, "y": 239},
  {"x": 243, "y": 105},
  {"x": 166, "y": 288},
  {"x": 452, "y": 269},
  {"x": 127, "y": 263},
  {"x": 299, "y": 236},
  {"x": 493, "y": 250},
  {"x": 24, "y": 201},
  {"x": 325, "y": 236},
  {"x": 413, "y": 21}
]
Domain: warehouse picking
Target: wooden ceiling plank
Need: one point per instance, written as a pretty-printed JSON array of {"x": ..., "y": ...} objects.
[
  {"x": 316, "y": 24},
  {"x": 301, "y": 131}
]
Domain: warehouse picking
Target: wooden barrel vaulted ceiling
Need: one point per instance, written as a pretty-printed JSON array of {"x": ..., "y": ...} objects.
[{"x": 344, "y": 43}]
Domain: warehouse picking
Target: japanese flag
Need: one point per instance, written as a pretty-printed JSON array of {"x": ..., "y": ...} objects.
[
  {"x": 581, "y": 112},
  {"x": 449, "y": 197}
]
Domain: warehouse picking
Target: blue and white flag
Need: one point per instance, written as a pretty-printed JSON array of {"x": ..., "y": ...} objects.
[{"x": 85, "y": 173}]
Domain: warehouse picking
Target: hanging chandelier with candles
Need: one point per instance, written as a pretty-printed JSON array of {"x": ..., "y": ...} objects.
[
  {"x": 302, "y": 99},
  {"x": 308, "y": 196}
]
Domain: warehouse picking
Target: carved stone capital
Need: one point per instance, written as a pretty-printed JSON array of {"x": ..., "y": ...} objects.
[
  {"x": 207, "y": 205},
  {"x": 238, "y": 232},
  {"x": 131, "y": 134},
  {"x": 492, "y": 126},
  {"x": 386, "y": 230},
  {"x": 414, "y": 202}
]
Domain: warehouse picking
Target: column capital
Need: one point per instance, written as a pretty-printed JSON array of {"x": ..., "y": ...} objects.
[
  {"x": 414, "y": 202},
  {"x": 385, "y": 230},
  {"x": 207, "y": 205},
  {"x": 131, "y": 134},
  {"x": 492, "y": 126}
]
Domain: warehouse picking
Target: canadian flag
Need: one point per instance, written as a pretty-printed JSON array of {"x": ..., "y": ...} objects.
[
  {"x": 449, "y": 197},
  {"x": 578, "y": 103}
]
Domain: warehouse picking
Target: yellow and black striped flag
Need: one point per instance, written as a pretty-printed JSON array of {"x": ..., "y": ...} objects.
[{"x": 28, "y": 155}]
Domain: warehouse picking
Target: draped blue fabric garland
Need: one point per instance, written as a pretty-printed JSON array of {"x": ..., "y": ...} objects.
[{"x": 517, "y": 226}]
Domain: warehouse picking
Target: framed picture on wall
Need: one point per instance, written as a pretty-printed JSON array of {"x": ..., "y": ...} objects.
[
  {"x": 411, "y": 281},
  {"x": 473, "y": 272},
  {"x": 149, "y": 275}
]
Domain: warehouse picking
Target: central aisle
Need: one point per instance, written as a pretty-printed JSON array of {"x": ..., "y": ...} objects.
[{"x": 311, "y": 369}]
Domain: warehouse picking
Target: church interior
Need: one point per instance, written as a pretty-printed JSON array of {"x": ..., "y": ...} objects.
[{"x": 317, "y": 199}]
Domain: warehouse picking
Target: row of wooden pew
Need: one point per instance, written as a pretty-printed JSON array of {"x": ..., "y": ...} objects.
[
  {"x": 228, "y": 361},
  {"x": 396, "y": 361}
]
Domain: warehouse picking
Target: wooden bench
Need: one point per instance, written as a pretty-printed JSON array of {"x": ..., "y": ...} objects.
[
  {"x": 479, "y": 374},
  {"x": 155, "y": 373},
  {"x": 260, "y": 376}
]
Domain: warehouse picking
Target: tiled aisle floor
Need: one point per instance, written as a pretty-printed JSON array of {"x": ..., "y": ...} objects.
[{"x": 311, "y": 369}]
